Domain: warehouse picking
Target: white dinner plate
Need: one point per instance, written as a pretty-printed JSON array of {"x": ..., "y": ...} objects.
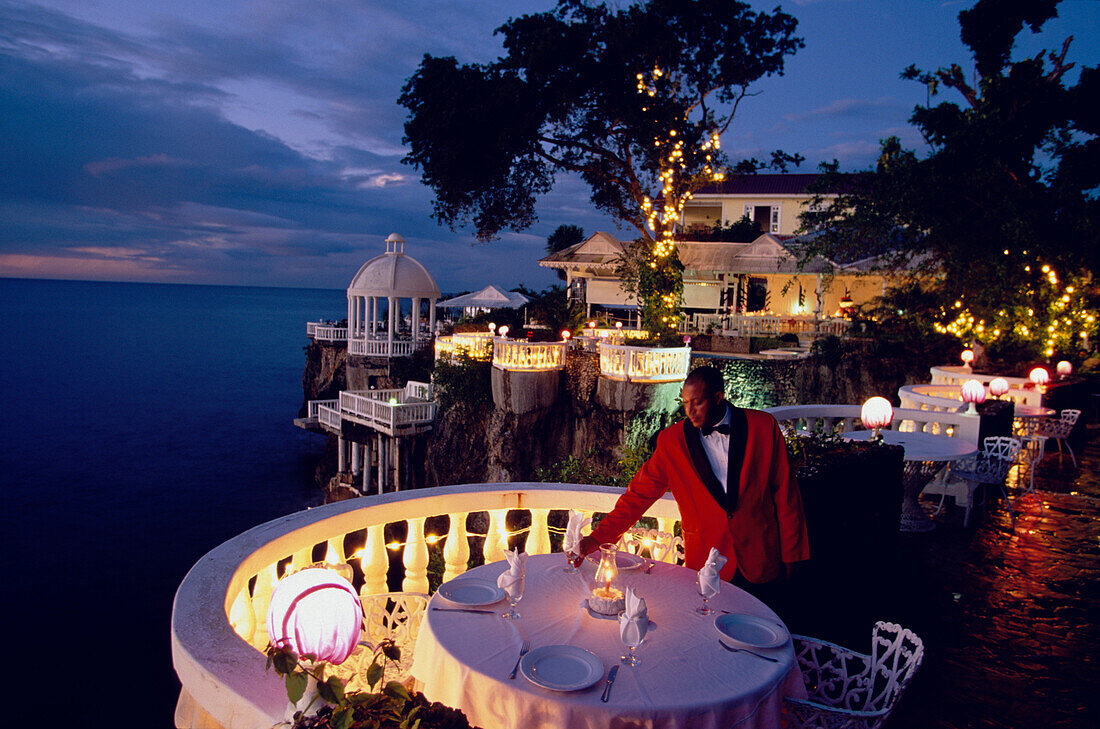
[
  {"x": 749, "y": 631},
  {"x": 471, "y": 593},
  {"x": 625, "y": 560},
  {"x": 561, "y": 667}
]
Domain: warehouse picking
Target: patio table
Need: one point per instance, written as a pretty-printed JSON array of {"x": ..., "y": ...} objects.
[
  {"x": 685, "y": 677},
  {"x": 925, "y": 455}
]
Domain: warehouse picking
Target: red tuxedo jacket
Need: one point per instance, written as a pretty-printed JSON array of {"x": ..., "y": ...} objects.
[{"x": 763, "y": 530}]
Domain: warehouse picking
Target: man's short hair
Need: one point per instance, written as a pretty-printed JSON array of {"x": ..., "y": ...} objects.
[{"x": 710, "y": 377}]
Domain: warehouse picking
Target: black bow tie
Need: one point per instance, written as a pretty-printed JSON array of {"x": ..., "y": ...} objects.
[{"x": 724, "y": 429}]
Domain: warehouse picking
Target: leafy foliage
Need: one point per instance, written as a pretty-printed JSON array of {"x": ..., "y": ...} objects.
[
  {"x": 466, "y": 383},
  {"x": 389, "y": 707},
  {"x": 563, "y": 237},
  {"x": 632, "y": 99},
  {"x": 1002, "y": 212}
]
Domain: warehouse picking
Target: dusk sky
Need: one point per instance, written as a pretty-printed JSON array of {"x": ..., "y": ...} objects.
[{"x": 258, "y": 142}]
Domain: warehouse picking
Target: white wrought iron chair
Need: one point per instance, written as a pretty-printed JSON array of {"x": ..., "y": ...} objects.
[
  {"x": 849, "y": 690},
  {"x": 394, "y": 616},
  {"x": 1057, "y": 430},
  {"x": 660, "y": 546},
  {"x": 989, "y": 466}
]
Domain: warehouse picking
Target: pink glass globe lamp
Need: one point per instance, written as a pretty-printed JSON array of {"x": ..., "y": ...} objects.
[
  {"x": 973, "y": 393},
  {"x": 877, "y": 413},
  {"x": 967, "y": 357},
  {"x": 998, "y": 386},
  {"x": 1064, "y": 369},
  {"x": 503, "y": 331},
  {"x": 1039, "y": 377}
]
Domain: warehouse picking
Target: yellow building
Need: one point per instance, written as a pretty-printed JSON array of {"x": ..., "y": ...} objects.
[{"x": 725, "y": 278}]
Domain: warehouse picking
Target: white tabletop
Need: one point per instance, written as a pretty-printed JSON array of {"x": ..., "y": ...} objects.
[
  {"x": 1032, "y": 411},
  {"x": 921, "y": 446},
  {"x": 685, "y": 679}
]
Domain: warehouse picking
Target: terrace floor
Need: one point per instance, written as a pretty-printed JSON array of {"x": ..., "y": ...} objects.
[{"x": 1008, "y": 614}]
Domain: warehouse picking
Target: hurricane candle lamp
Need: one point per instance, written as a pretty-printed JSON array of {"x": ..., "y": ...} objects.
[
  {"x": 1064, "y": 369},
  {"x": 877, "y": 413},
  {"x": 607, "y": 595},
  {"x": 973, "y": 393},
  {"x": 998, "y": 386}
]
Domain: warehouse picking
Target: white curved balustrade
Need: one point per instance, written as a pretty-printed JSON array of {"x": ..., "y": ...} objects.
[
  {"x": 846, "y": 418},
  {"x": 644, "y": 364},
  {"x": 385, "y": 410},
  {"x": 476, "y": 345},
  {"x": 381, "y": 347},
  {"x": 1020, "y": 389},
  {"x": 522, "y": 356},
  {"x": 218, "y": 629},
  {"x": 323, "y": 332}
]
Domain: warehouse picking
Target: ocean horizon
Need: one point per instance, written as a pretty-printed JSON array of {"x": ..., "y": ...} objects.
[{"x": 147, "y": 423}]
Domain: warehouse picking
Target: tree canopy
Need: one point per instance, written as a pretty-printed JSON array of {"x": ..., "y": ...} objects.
[
  {"x": 1003, "y": 208},
  {"x": 633, "y": 100}
]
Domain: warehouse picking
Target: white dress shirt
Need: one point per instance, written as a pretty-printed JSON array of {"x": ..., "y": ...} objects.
[{"x": 717, "y": 447}]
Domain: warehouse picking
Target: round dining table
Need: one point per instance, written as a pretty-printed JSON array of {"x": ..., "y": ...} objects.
[
  {"x": 925, "y": 454},
  {"x": 685, "y": 677}
]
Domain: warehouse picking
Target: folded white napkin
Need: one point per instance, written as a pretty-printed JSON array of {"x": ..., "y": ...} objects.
[
  {"x": 572, "y": 541},
  {"x": 709, "y": 581},
  {"x": 511, "y": 580},
  {"x": 634, "y": 622}
]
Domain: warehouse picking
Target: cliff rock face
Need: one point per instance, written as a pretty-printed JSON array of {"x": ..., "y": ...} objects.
[
  {"x": 324, "y": 375},
  {"x": 538, "y": 419}
]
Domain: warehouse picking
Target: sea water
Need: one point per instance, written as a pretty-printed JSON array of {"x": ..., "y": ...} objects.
[{"x": 144, "y": 424}]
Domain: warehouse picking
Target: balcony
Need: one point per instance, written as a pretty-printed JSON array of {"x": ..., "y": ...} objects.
[
  {"x": 381, "y": 347},
  {"x": 218, "y": 614},
  {"x": 325, "y": 332},
  {"x": 393, "y": 412},
  {"x": 476, "y": 345},
  {"x": 517, "y": 355},
  {"x": 644, "y": 364}
]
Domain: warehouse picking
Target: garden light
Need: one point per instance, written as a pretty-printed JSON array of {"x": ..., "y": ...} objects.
[
  {"x": 1039, "y": 376},
  {"x": 1065, "y": 369},
  {"x": 967, "y": 357},
  {"x": 565, "y": 334},
  {"x": 998, "y": 386},
  {"x": 503, "y": 331},
  {"x": 492, "y": 327},
  {"x": 316, "y": 613},
  {"x": 973, "y": 392},
  {"x": 877, "y": 413}
]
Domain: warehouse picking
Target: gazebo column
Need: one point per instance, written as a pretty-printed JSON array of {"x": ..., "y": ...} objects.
[
  {"x": 392, "y": 318},
  {"x": 351, "y": 316},
  {"x": 431, "y": 317},
  {"x": 416, "y": 321},
  {"x": 372, "y": 314}
]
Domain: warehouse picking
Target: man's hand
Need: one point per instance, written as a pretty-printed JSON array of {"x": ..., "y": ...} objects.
[{"x": 587, "y": 545}]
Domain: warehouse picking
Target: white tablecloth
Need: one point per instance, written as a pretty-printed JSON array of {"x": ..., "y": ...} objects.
[{"x": 685, "y": 679}]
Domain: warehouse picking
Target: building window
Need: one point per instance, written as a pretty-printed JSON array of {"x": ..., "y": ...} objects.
[{"x": 766, "y": 217}]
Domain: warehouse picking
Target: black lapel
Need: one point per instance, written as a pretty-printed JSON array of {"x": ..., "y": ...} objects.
[
  {"x": 704, "y": 471},
  {"x": 739, "y": 436}
]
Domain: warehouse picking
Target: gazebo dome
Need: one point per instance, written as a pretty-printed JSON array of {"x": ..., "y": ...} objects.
[{"x": 394, "y": 275}]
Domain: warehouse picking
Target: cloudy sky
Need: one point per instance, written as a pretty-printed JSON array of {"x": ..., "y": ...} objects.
[{"x": 258, "y": 142}]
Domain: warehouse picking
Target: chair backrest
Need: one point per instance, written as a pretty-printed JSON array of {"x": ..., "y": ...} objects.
[
  {"x": 1061, "y": 427},
  {"x": 896, "y": 654},
  {"x": 394, "y": 616},
  {"x": 1001, "y": 447}
]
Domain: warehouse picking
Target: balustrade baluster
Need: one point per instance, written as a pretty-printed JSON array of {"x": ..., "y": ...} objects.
[
  {"x": 667, "y": 526},
  {"x": 416, "y": 558},
  {"x": 241, "y": 616},
  {"x": 261, "y": 600},
  {"x": 302, "y": 558},
  {"x": 496, "y": 541},
  {"x": 334, "y": 553},
  {"x": 456, "y": 552},
  {"x": 538, "y": 539},
  {"x": 374, "y": 562}
]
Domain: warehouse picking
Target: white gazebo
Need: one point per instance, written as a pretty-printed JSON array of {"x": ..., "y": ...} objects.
[{"x": 393, "y": 276}]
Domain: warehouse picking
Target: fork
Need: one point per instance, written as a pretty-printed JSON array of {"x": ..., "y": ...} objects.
[
  {"x": 731, "y": 649},
  {"x": 522, "y": 652}
]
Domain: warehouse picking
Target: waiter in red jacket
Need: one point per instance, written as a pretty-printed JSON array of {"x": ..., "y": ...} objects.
[{"x": 731, "y": 477}]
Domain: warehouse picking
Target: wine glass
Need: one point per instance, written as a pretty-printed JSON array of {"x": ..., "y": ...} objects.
[
  {"x": 632, "y": 637},
  {"x": 570, "y": 555},
  {"x": 515, "y": 594},
  {"x": 705, "y": 609}
]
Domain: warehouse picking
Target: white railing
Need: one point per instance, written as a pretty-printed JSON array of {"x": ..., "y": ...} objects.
[
  {"x": 845, "y": 418},
  {"x": 946, "y": 398},
  {"x": 315, "y": 405},
  {"x": 381, "y": 347},
  {"x": 389, "y": 414},
  {"x": 644, "y": 364},
  {"x": 326, "y": 332},
  {"x": 750, "y": 325},
  {"x": 329, "y": 416},
  {"x": 477, "y": 345},
  {"x": 218, "y": 628},
  {"x": 1020, "y": 389},
  {"x": 522, "y": 356},
  {"x": 615, "y": 333}
]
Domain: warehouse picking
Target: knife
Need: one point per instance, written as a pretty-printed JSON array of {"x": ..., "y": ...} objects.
[
  {"x": 464, "y": 610},
  {"x": 610, "y": 680}
]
